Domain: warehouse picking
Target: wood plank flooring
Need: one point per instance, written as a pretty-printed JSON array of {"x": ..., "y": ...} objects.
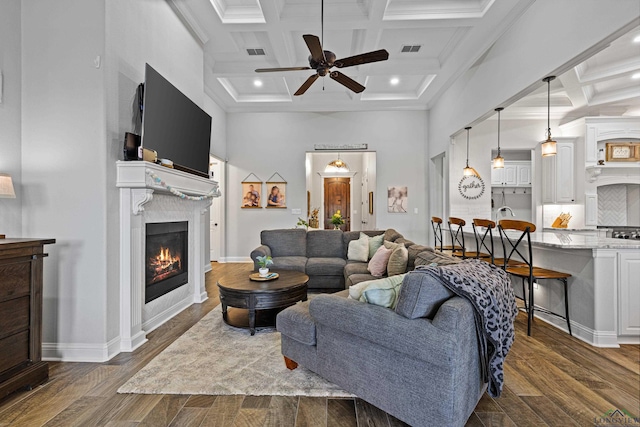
[{"x": 550, "y": 379}]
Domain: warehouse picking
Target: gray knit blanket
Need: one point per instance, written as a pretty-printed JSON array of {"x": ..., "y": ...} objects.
[{"x": 489, "y": 290}]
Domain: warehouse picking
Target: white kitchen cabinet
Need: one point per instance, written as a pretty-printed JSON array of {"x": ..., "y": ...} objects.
[
  {"x": 628, "y": 293},
  {"x": 514, "y": 174},
  {"x": 524, "y": 174},
  {"x": 558, "y": 175}
]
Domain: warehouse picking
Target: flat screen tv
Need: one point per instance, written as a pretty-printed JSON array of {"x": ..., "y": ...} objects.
[{"x": 173, "y": 125}]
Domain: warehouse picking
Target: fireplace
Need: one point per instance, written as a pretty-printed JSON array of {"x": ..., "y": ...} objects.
[{"x": 166, "y": 258}]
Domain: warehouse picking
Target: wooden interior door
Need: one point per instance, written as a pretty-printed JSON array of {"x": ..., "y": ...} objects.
[{"x": 337, "y": 196}]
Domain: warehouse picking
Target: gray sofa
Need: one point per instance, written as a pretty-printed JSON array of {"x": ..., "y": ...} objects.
[
  {"x": 322, "y": 254},
  {"x": 420, "y": 363}
]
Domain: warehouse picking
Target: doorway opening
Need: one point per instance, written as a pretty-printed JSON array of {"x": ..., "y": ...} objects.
[
  {"x": 350, "y": 192},
  {"x": 217, "y": 171}
]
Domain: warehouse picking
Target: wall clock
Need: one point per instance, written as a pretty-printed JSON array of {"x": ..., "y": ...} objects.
[
  {"x": 471, "y": 187},
  {"x": 623, "y": 152}
]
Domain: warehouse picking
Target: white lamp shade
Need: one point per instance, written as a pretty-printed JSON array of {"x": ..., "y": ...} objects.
[
  {"x": 548, "y": 148},
  {"x": 6, "y": 187}
]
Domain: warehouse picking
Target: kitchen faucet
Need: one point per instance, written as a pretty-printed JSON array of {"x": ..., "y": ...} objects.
[{"x": 504, "y": 208}]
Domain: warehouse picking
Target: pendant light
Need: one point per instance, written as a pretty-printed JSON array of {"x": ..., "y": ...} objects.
[
  {"x": 468, "y": 170},
  {"x": 549, "y": 146},
  {"x": 498, "y": 161},
  {"x": 337, "y": 166}
]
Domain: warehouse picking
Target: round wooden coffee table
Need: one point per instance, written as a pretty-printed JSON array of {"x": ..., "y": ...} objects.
[{"x": 256, "y": 304}]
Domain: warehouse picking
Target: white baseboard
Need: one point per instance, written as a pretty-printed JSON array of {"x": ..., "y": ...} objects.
[
  {"x": 238, "y": 259},
  {"x": 170, "y": 312},
  {"x": 73, "y": 352},
  {"x": 592, "y": 337},
  {"x": 207, "y": 267}
]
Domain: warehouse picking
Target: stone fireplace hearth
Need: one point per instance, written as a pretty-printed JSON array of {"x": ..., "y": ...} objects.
[{"x": 144, "y": 202}]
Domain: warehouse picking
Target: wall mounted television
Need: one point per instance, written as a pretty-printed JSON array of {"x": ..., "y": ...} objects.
[{"x": 173, "y": 125}]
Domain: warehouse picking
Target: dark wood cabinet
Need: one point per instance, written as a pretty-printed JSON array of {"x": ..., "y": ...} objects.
[{"x": 21, "y": 362}]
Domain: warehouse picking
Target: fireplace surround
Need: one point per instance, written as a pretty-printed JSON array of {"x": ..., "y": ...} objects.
[{"x": 144, "y": 201}]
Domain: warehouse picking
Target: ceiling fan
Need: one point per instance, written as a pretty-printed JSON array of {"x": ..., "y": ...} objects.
[{"x": 323, "y": 60}]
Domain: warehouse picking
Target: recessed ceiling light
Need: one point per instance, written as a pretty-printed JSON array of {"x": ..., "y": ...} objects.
[
  {"x": 636, "y": 76},
  {"x": 394, "y": 81},
  {"x": 257, "y": 83},
  {"x": 636, "y": 39}
]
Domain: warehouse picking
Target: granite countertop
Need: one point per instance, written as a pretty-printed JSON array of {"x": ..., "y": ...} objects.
[
  {"x": 581, "y": 241},
  {"x": 573, "y": 240}
]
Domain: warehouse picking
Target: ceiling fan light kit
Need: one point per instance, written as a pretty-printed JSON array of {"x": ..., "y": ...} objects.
[
  {"x": 322, "y": 61},
  {"x": 549, "y": 146}
]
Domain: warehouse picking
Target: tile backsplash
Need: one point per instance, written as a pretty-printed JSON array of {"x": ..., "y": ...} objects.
[{"x": 619, "y": 205}]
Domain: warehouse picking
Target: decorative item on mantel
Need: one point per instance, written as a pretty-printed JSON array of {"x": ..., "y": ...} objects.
[
  {"x": 157, "y": 180},
  {"x": 251, "y": 190},
  {"x": 562, "y": 221},
  {"x": 277, "y": 192}
]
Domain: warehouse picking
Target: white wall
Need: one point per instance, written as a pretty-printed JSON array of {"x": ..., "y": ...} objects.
[
  {"x": 141, "y": 32},
  {"x": 526, "y": 53},
  {"x": 63, "y": 168},
  {"x": 264, "y": 143},
  {"x": 10, "y": 115},
  {"x": 218, "y": 128},
  {"x": 81, "y": 63}
]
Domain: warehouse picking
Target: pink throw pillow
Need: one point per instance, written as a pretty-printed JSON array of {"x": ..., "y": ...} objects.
[{"x": 378, "y": 264}]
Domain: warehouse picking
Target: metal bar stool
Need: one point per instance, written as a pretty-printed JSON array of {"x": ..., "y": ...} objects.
[
  {"x": 529, "y": 271},
  {"x": 483, "y": 232},
  {"x": 436, "y": 224},
  {"x": 457, "y": 236}
]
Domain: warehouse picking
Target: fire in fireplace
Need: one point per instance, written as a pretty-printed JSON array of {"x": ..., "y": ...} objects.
[{"x": 166, "y": 258}]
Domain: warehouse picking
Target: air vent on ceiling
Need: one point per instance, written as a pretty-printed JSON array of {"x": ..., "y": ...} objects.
[
  {"x": 410, "y": 48},
  {"x": 255, "y": 52}
]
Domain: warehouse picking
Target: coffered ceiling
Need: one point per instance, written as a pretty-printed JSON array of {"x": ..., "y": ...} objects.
[
  {"x": 607, "y": 84},
  {"x": 447, "y": 37},
  {"x": 444, "y": 38}
]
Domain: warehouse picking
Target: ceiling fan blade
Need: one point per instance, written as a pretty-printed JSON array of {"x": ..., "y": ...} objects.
[
  {"x": 364, "y": 58},
  {"x": 313, "y": 43},
  {"x": 272, "y": 70},
  {"x": 306, "y": 85},
  {"x": 348, "y": 82}
]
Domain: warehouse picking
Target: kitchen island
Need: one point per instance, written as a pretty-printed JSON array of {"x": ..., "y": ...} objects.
[{"x": 604, "y": 288}]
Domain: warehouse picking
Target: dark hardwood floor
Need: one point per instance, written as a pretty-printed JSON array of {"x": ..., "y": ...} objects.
[{"x": 550, "y": 379}]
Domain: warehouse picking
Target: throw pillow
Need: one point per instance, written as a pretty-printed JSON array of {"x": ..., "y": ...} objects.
[
  {"x": 374, "y": 243},
  {"x": 378, "y": 264},
  {"x": 355, "y": 291},
  {"x": 359, "y": 249},
  {"x": 421, "y": 296},
  {"x": 398, "y": 259},
  {"x": 428, "y": 257},
  {"x": 383, "y": 292}
]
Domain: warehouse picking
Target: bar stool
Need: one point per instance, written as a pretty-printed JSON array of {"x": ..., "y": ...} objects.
[
  {"x": 436, "y": 224},
  {"x": 483, "y": 232},
  {"x": 529, "y": 271},
  {"x": 457, "y": 236}
]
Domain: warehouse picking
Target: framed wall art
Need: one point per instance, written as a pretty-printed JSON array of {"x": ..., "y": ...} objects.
[
  {"x": 276, "y": 197},
  {"x": 397, "y": 199},
  {"x": 251, "y": 192}
]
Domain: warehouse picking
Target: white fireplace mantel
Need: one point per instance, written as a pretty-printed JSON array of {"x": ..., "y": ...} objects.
[{"x": 143, "y": 200}]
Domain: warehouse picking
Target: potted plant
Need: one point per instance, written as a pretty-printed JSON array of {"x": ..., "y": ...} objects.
[
  {"x": 264, "y": 262},
  {"x": 337, "y": 220},
  {"x": 303, "y": 223}
]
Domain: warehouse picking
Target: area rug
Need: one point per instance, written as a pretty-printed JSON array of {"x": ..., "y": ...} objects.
[{"x": 216, "y": 359}]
